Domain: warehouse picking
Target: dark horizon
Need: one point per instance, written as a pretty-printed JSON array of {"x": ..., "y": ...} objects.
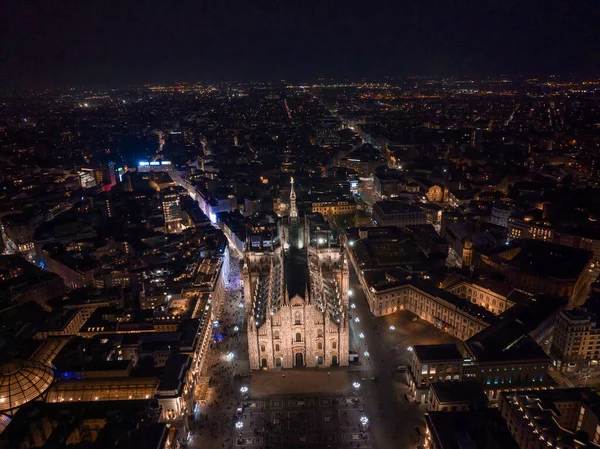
[{"x": 50, "y": 45}]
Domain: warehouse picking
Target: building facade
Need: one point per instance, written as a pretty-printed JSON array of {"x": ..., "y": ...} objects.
[
  {"x": 576, "y": 342},
  {"x": 334, "y": 207},
  {"x": 297, "y": 300},
  {"x": 294, "y": 324}
]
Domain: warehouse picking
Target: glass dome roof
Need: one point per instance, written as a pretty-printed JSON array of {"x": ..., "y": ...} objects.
[{"x": 22, "y": 382}]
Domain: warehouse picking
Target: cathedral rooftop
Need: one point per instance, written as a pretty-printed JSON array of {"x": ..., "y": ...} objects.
[{"x": 296, "y": 273}]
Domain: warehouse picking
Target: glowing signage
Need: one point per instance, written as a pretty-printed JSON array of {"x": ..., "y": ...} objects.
[
  {"x": 165, "y": 163},
  {"x": 155, "y": 163},
  {"x": 144, "y": 163}
]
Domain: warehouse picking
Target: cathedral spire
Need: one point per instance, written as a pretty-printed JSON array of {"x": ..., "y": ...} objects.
[{"x": 293, "y": 208}]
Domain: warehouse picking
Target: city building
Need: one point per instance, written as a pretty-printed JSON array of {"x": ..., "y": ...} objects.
[
  {"x": 397, "y": 213},
  {"x": 171, "y": 211},
  {"x": 22, "y": 281},
  {"x": 297, "y": 301},
  {"x": 328, "y": 208},
  {"x": 540, "y": 267},
  {"x": 468, "y": 429},
  {"x": 493, "y": 295},
  {"x": 500, "y": 215},
  {"x": 558, "y": 418},
  {"x": 533, "y": 226},
  {"x": 576, "y": 340},
  {"x": 456, "y": 396},
  {"x": 430, "y": 364}
]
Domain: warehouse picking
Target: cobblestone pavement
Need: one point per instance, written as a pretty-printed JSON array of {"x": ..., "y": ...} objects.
[{"x": 302, "y": 422}]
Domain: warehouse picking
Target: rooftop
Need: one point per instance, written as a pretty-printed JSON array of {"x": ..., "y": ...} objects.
[
  {"x": 455, "y": 392},
  {"x": 22, "y": 382},
  {"x": 470, "y": 430},
  {"x": 390, "y": 207},
  {"x": 435, "y": 353},
  {"x": 544, "y": 259}
]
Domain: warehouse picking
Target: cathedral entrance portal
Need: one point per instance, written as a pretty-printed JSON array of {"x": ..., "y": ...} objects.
[{"x": 299, "y": 361}]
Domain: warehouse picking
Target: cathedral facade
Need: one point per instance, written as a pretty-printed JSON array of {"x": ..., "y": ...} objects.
[{"x": 297, "y": 299}]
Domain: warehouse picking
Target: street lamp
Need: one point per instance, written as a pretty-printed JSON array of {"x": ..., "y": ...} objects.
[
  {"x": 244, "y": 389},
  {"x": 392, "y": 328},
  {"x": 361, "y": 335},
  {"x": 356, "y": 385},
  {"x": 236, "y": 328},
  {"x": 350, "y": 292},
  {"x": 239, "y": 425},
  {"x": 366, "y": 353},
  {"x": 364, "y": 420}
]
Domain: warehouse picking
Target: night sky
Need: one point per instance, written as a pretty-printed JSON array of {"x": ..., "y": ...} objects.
[{"x": 51, "y": 43}]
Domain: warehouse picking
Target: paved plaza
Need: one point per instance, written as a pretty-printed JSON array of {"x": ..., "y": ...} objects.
[
  {"x": 301, "y": 382},
  {"x": 302, "y": 422},
  {"x": 314, "y": 408}
]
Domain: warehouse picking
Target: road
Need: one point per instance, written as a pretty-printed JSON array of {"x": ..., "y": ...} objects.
[{"x": 392, "y": 418}]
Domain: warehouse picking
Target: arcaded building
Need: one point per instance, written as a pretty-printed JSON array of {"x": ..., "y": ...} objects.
[{"x": 297, "y": 300}]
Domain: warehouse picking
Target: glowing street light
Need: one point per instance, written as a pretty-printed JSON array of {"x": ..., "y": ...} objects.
[
  {"x": 364, "y": 420},
  {"x": 357, "y": 320},
  {"x": 356, "y": 385},
  {"x": 350, "y": 292},
  {"x": 236, "y": 328},
  {"x": 366, "y": 353},
  {"x": 361, "y": 335},
  {"x": 244, "y": 389},
  {"x": 239, "y": 425},
  {"x": 392, "y": 328}
]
